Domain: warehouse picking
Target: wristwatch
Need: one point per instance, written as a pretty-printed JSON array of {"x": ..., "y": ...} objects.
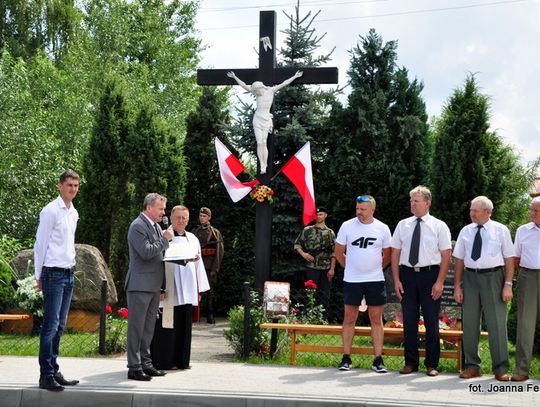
[{"x": 510, "y": 283}]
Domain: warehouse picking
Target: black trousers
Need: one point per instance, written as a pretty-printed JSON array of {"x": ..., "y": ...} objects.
[
  {"x": 172, "y": 347},
  {"x": 320, "y": 278},
  {"x": 417, "y": 287}
]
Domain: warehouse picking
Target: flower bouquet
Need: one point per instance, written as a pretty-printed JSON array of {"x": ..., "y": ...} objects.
[{"x": 261, "y": 192}]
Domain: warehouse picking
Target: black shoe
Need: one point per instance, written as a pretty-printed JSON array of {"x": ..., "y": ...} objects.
[
  {"x": 138, "y": 375},
  {"x": 210, "y": 319},
  {"x": 47, "y": 382},
  {"x": 346, "y": 363},
  {"x": 60, "y": 379},
  {"x": 152, "y": 371}
]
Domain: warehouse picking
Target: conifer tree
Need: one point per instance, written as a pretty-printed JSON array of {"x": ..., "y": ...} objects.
[
  {"x": 470, "y": 160},
  {"x": 204, "y": 187},
  {"x": 379, "y": 143},
  {"x": 106, "y": 172}
]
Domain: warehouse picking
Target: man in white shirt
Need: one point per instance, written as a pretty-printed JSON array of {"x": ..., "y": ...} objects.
[
  {"x": 484, "y": 256},
  {"x": 54, "y": 259},
  {"x": 527, "y": 246},
  {"x": 363, "y": 250},
  {"x": 421, "y": 247}
]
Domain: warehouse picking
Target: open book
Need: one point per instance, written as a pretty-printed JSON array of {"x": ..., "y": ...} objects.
[{"x": 181, "y": 250}]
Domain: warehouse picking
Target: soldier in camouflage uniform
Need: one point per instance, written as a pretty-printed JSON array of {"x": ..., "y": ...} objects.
[{"x": 316, "y": 246}]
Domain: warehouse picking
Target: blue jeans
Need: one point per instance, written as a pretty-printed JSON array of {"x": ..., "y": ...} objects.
[{"x": 57, "y": 288}]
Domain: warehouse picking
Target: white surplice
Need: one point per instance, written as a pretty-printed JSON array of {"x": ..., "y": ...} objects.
[{"x": 187, "y": 281}]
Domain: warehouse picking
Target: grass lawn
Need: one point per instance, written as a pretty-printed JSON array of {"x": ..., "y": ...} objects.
[{"x": 72, "y": 344}]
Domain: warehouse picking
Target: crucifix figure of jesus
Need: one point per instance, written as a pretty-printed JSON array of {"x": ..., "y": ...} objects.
[
  {"x": 266, "y": 79},
  {"x": 262, "y": 119}
]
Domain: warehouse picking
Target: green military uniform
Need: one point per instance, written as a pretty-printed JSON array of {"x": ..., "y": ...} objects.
[{"x": 319, "y": 242}]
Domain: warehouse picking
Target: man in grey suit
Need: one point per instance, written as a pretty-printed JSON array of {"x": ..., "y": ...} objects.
[{"x": 144, "y": 281}]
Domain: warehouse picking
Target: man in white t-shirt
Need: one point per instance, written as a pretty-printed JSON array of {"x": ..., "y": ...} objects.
[{"x": 363, "y": 250}]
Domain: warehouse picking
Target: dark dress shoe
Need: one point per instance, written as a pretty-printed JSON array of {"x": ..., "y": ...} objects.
[
  {"x": 432, "y": 372},
  {"x": 519, "y": 377},
  {"x": 210, "y": 320},
  {"x": 60, "y": 379},
  {"x": 502, "y": 377},
  {"x": 470, "y": 373},
  {"x": 138, "y": 375},
  {"x": 152, "y": 371},
  {"x": 408, "y": 369},
  {"x": 47, "y": 382}
]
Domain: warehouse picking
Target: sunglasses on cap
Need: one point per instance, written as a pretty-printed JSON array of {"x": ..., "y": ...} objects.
[{"x": 362, "y": 198}]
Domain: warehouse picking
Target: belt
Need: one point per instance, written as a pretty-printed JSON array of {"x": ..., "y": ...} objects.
[
  {"x": 481, "y": 271},
  {"x": 418, "y": 269},
  {"x": 210, "y": 251},
  {"x": 58, "y": 269},
  {"x": 528, "y": 269}
]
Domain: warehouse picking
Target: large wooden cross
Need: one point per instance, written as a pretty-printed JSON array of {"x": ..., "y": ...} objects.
[{"x": 270, "y": 75}]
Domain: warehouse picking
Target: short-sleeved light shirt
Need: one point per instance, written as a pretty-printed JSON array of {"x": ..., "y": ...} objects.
[
  {"x": 496, "y": 245},
  {"x": 363, "y": 245},
  {"x": 527, "y": 246},
  {"x": 434, "y": 238}
]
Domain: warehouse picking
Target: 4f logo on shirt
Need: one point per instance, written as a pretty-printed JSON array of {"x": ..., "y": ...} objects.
[{"x": 364, "y": 242}]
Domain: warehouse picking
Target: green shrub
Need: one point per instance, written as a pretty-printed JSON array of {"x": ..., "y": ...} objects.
[
  {"x": 7, "y": 290},
  {"x": 259, "y": 339}
]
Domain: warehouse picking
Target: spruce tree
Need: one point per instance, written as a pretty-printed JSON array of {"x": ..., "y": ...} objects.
[
  {"x": 470, "y": 160},
  {"x": 379, "y": 143}
]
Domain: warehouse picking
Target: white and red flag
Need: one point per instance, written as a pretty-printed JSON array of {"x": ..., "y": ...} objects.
[
  {"x": 229, "y": 168},
  {"x": 298, "y": 170}
]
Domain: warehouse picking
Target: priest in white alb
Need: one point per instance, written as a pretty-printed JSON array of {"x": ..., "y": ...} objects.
[{"x": 185, "y": 280}]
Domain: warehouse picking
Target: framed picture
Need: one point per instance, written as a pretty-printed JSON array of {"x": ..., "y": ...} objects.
[{"x": 276, "y": 299}]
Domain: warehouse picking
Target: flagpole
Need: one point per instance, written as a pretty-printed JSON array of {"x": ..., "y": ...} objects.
[{"x": 275, "y": 175}]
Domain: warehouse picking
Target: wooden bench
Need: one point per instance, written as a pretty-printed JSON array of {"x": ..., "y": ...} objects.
[
  {"x": 395, "y": 333},
  {"x": 11, "y": 317}
]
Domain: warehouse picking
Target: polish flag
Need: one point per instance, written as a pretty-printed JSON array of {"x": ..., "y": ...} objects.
[
  {"x": 298, "y": 170},
  {"x": 229, "y": 168}
]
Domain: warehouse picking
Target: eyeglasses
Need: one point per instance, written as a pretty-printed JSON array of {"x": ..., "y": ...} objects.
[{"x": 362, "y": 198}]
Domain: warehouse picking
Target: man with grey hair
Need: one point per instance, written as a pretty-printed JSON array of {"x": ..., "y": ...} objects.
[
  {"x": 421, "y": 247},
  {"x": 144, "y": 281},
  {"x": 527, "y": 246},
  {"x": 484, "y": 256}
]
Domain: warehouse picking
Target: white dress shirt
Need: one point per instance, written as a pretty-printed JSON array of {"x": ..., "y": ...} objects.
[
  {"x": 496, "y": 245},
  {"x": 55, "y": 237},
  {"x": 527, "y": 246},
  {"x": 434, "y": 238}
]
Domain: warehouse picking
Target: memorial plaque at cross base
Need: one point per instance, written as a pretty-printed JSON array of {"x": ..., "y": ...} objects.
[{"x": 269, "y": 74}]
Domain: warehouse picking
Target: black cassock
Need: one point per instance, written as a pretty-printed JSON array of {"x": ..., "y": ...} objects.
[{"x": 171, "y": 348}]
